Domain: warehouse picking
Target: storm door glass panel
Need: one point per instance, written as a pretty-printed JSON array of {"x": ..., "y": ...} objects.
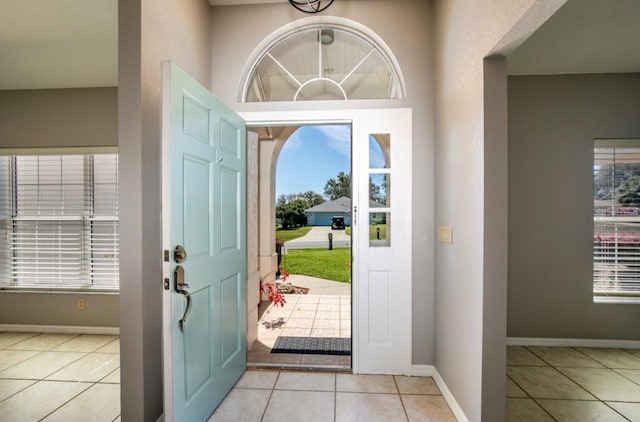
[
  {"x": 379, "y": 190},
  {"x": 616, "y": 220}
]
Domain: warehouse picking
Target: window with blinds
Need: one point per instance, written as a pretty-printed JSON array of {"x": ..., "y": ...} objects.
[
  {"x": 616, "y": 220},
  {"x": 59, "y": 221}
]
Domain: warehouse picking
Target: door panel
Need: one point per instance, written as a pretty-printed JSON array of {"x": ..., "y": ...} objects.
[
  {"x": 203, "y": 210},
  {"x": 382, "y": 249}
]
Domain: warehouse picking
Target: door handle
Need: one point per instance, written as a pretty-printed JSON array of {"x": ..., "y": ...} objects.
[{"x": 178, "y": 276}]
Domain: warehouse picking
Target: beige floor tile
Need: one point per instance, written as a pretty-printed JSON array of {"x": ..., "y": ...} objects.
[
  {"x": 257, "y": 380},
  {"x": 113, "y": 347},
  {"x": 320, "y": 359},
  {"x": 604, "y": 383},
  {"x": 9, "y": 338},
  {"x": 327, "y": 324},
  {"x": 613, "y": 358},
  {"x": 328, "y": 308},
  {"x": 41, "y": 365},
  {"x": 630, "y": 411},
  {"x": 100, "y": 403},
  {"x": 326, "y": 332},
  {"x": 309, "y": 307},
  {"x": 112, "y": 378},
  {"x": 565, "y": 356},
  {"x": 308, "y": 381},
  {"x": 39, "y": 400},
  {"x": 632, "y": 374},
  {"x": 85, "y": 343},
  {"x": 295, "y": 406},
  {"x": 309, "y": 299},
  {"x": 42, "y": 342},
  {"x": 417, "y": 385},
  {"x": 90, "y": 368},
  {"x": 580, "y": 411},
  {"x": 525, "y": 410},
  {"x": 366, "y": 383},
  {"x": 8, "y": 358},
  {"x": 296, "y": 332},
  {"x": 546, "y": 382},
  {"x": 304, "y": 314},
  {"x": 299, "y": 323},
  {"x": 513, "y": 390},
  {"x": 10, "y": 387},
  {"x": 242, "y": 405},
  {"x": 329, "y": 300},
  {"x": 369, "y": 407},
  {"x": 520, "y": 356},
  {"x": 427, "y": 408},
  {"x": 327, "y": 315}
]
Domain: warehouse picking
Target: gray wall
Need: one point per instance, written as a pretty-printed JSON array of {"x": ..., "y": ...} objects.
[
  {"x": 58, "y": 118},
  {"x": 149, "y": 31},
  {"x": 405, "y": 26},
  {"x": 553, "y": 121},
  {"x": 470, "y": 193}
]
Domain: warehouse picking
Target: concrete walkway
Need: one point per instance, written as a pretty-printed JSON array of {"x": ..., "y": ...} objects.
[
  {"x": 320, "y": 286},
  {"x": 318, "y": 237}
]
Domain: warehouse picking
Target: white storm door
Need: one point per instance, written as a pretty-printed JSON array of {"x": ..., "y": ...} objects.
[
  {"x": 382, "y": 241},
  {"x": 204, "y": 315}
]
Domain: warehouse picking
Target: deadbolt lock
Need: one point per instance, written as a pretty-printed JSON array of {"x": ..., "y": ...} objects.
[{"x": 179, "y": 254}]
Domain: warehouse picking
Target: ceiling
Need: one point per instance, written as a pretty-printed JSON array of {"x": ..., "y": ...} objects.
[
  {"x": 73, "y": 43},
  {"x": 584, "y": 36},
  {"x": 58, "y": 43}
]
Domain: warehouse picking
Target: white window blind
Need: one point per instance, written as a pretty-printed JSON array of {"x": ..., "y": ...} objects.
[
  {"x": 59, "y": 219},
  {"x": 616, "y": 219}
]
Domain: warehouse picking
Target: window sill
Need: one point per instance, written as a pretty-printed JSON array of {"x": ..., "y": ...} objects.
[
  {"x": 617, "y": 300},
  {"x": 59, "y": 291}
]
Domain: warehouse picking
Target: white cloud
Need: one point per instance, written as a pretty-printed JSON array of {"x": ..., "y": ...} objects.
[{"x": 338, "y": 138}]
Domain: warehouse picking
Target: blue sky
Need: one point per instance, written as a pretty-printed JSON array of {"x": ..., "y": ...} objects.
[{"x": 311, "y": 156}]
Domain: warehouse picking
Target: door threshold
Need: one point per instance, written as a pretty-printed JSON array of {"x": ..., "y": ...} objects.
[{"x": 300, "y": 367}]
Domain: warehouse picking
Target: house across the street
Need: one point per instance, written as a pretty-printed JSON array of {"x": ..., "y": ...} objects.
[{"x": 322, "y": 214}]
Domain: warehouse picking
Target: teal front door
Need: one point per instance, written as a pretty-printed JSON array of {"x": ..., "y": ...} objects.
[{"x": 204, "y": 326}]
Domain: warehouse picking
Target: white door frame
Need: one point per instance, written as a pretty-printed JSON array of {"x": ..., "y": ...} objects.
[{"x": 402, "y": 209}]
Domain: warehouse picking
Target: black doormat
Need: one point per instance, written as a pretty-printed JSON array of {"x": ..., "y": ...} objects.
[{"x": 313, "y": 345}]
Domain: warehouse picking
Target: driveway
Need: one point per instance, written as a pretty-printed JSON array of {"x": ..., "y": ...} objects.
[{"x": 318, "y": 237}]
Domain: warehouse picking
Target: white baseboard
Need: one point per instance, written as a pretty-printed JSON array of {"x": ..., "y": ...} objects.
[
  {"x": 61, "y": 329},
  {"x": 572, "y": 342},
  {"x": 431, "y": 371}
]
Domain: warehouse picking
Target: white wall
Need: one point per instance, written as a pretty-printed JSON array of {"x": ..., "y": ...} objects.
[
  {"x": 149, "y": 32},
  {"x": 470, "y": 156},
  {"x": 553, "y": 121},
  {"x": 405, "y": 25}
]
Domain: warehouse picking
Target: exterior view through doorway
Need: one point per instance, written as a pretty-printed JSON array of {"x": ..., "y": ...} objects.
[{"x": 304, "y": 315}]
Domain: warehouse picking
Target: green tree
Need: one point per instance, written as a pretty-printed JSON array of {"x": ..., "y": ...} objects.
[
  {"x": 338, "y": 187},
  {"x": 292, "y": 214},
  {"x": 628, "y": 193}
]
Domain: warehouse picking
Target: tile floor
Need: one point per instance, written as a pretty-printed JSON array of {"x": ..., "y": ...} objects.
[
  {"x": 270, "y": 395},
  {"x": 572, "y": 384},
  {"x": 302, "y": 316},
  {"x": 59, "y": 377}
]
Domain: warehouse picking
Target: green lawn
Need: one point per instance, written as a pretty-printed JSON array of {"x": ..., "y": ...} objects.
[
  {"x": 323, "y": 263},
  {"x": 290, "y": 234},
  {"x": 372, "y": 231}
]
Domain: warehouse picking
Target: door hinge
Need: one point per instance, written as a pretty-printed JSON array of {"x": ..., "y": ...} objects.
[
  {"x": 166, "y": 256},
  {"x": 166, "y": 283}
]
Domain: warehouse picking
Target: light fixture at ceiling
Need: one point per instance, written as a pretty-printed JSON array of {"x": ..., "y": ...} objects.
[
  {"x": 310, "y": 6},
  {"x": 326, "y": 36}
]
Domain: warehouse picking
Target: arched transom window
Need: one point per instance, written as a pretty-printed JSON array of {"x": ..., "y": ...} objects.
[{"x": 323, "y": 62}]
